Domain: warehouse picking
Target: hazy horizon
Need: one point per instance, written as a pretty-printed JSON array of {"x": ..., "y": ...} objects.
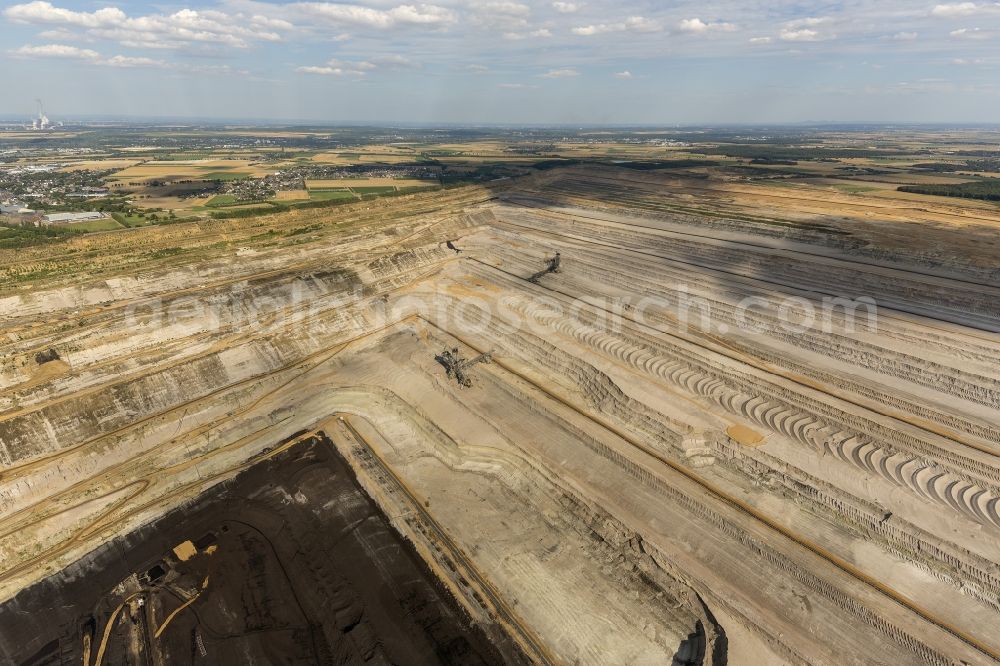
[{"x": 141, "y": 120}]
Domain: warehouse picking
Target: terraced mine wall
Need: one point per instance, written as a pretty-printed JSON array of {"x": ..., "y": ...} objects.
[
  {"x": 302, "y": 575},
  {"x": 324, "y": 306},
  {"x": 643, "y": 197},
  {"x": 913, "y": 292},
  {"x": 613, "y": 483},
  {"x": 837, "y": 431},
  {"x": 975, "y": 575}
]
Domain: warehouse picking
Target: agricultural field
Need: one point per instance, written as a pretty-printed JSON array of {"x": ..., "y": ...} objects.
[
  {"x": 207, "y": 169},
  {"x": 292, "y": 195},
  {"x": 330, "y": 195},
  {"x": 100, "y": 164},
  {"x": 221, "y": 200}
]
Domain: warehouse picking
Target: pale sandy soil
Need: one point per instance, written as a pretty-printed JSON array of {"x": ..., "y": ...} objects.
[{"x": 614, "y": 477}]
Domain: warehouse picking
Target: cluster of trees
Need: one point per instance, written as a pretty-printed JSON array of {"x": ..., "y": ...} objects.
[
  {"x": 109, "y": 204},
  {"x": 987, "y": 189},
  {"x": 987, "y": 165},
  {"x": 15, "y": 236},
  {"x": 772, "y": 160},
  {"x": 152, "y": 215}
]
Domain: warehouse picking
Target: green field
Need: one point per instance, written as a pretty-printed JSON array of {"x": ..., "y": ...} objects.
[
  {"x": 855, "y": 189},
  {"x": 130, "y": 220},
  {"x": 373, "y": 190},
  {"x": 97, "y": 225},
  {"x": 221, "y": 200}
]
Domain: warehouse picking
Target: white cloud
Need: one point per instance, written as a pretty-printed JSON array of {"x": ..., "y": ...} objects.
[
  {"x": 211, "y": 69},
  {"x": 964, "y": 9},
  {"x": 525, "y": 36},
  {"x": 697, "y": 26},
  {"x": 623, "y": 75},
  {"x": 92, "y": 57},
  {"x": 970, "y": 33},
  {"x": 559, "y": 73},
  {"x": 336, "y": 67},
  {"x": 954, "y": 9},
  {"x": 800, "y": 35},
  {"x": 693, "y": 25},
  {"x": 56, "y": 51},
  {"x": 967, "y": 61},
  {"x": 514, "y": 86},
  {"x": 497, "y": 16},
  {"x": 502, "y": 7},
  {"x": 807, "y": 22},
  {"x": 641, "y": 24},
  {"x": 631, "y": 24},
  {"x": 566, "y": 7},
  {"x": 804, "y": 29},
  {"x": 359, "y": 68},
  {"x": 324, "y": 70},
  {"x": 478, "y": 69},
  {"x": 542, "y": 33},
  {"x": 182, "y": 28},
  {"x": 127, "y": 61},
  {"x": 59, "y": 34},
  {"x": 40, "y": 12},
  {"x": 368, "y": 17},
  {"x": 268, "y": 22}
]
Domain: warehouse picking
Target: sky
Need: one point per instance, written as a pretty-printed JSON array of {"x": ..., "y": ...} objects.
[{"x": 505, "y": 61}]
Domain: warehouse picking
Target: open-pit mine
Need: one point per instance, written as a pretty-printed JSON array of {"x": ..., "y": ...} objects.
[{"x": 591, "y": 415}]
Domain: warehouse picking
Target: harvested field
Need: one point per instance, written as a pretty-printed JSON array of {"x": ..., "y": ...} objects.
[
  {"x": 100, "y": 165},
  {"x": 192, "y": 170},
  {"x": 292, "y": 195}
]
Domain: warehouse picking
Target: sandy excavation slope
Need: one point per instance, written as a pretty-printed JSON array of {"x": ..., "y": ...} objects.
[
  {"x": 618, "y": 485},
  {"x": 288, "y": 563}
]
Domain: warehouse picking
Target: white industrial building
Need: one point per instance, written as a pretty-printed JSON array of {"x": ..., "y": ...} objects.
[{"x": 70, "y": 218}]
